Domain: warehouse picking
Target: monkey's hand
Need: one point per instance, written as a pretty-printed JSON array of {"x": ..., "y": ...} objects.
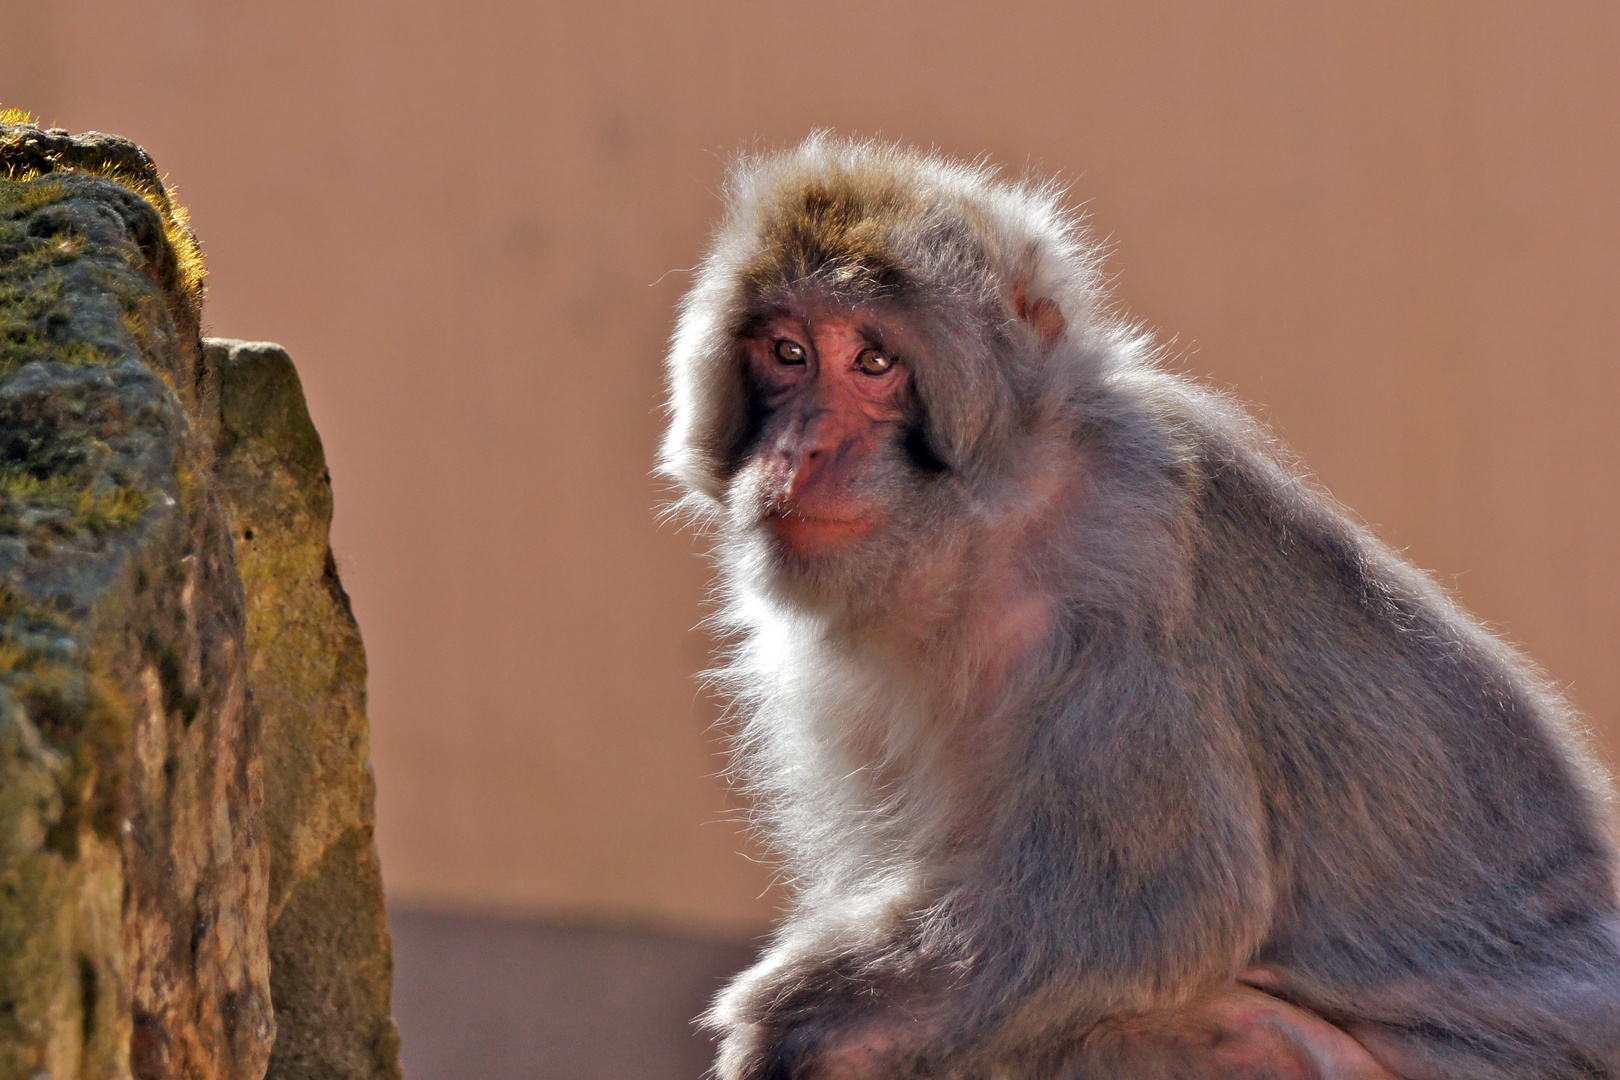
[
  {"x": 1235, "y": 1033},
  {"x": 801, "y": 1017},
  {"x": 874, "y": 1049}
]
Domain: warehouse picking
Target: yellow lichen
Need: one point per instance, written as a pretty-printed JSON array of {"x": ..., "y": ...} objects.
[
  {"x": 24, "y": 313},
  {"x": 193, "y": 270},
  {"x": 18, "y": 196},
  {"x": 136, "y": 325},
  {"x": 103, "y": 511},
  {"x": 13, "y": 656},
  {"x": 81, "y": 504},
  {"x": 177, "y": 227}
]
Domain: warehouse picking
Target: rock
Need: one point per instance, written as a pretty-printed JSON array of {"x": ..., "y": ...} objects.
[
  {"x": 134, "y": 880},
  {"x": 186, "y": 861},
  {"x": 331, "y": 969}
]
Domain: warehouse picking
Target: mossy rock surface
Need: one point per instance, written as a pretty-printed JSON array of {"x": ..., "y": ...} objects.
[
  {"x": 331, "y": 967},
  {"x": 182, "y": 758}
]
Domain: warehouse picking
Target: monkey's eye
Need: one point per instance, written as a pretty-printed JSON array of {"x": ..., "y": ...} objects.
[
  {"x": 874, "y": 362},
  {"x": 789, "y": 352}
]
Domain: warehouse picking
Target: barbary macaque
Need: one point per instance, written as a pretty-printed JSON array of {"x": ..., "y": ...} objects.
[{"x": 1097, "y": 742}]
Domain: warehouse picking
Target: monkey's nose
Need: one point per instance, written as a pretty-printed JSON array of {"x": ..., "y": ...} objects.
[
  {"x": 804, "y": 456},
  {"x": 804, "y": 470}
]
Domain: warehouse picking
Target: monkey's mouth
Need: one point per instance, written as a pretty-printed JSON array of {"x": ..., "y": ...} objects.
[{"x": 809, "y": 534}]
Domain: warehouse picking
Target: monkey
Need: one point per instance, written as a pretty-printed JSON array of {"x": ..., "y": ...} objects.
[{"x": 1096, "y": 740}]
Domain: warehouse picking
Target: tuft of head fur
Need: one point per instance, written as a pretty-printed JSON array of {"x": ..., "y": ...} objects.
[{"x": 859, "y": 221}]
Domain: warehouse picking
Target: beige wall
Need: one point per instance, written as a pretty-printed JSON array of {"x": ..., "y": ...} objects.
[{"x": 1395, "y": 224}]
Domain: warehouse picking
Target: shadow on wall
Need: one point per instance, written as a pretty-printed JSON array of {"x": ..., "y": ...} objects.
[{"x": 509, "y": 999}]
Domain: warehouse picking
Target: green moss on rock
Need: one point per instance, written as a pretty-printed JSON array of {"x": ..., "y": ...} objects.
[
  {"x": 153, "y": 849},
  {"x": 133, "y": 882}
]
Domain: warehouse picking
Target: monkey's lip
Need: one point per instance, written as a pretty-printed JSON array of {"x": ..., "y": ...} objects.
[{"x": 801, "y": 530}]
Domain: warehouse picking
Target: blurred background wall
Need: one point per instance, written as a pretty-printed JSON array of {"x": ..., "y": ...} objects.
[{"x": 1394, "y": 226}]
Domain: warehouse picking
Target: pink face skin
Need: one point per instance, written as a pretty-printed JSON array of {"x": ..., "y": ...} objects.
[{"x": 836, "y": 399}]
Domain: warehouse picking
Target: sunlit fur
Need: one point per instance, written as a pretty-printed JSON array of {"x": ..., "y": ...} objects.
[{"x": 1125, "y": 706}]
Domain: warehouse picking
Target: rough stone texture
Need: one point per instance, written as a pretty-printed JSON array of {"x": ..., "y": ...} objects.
[
  {"x": 330, "y": 965},
  {"x": 159, "y": 891}
]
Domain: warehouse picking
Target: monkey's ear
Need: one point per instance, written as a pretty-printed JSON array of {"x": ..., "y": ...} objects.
[{"x": 1043, "y": 315}]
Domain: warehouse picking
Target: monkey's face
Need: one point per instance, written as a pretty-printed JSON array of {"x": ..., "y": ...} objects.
[
  {"x": 837, "y": 457},
  {"x": 833, "y": 399}
]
